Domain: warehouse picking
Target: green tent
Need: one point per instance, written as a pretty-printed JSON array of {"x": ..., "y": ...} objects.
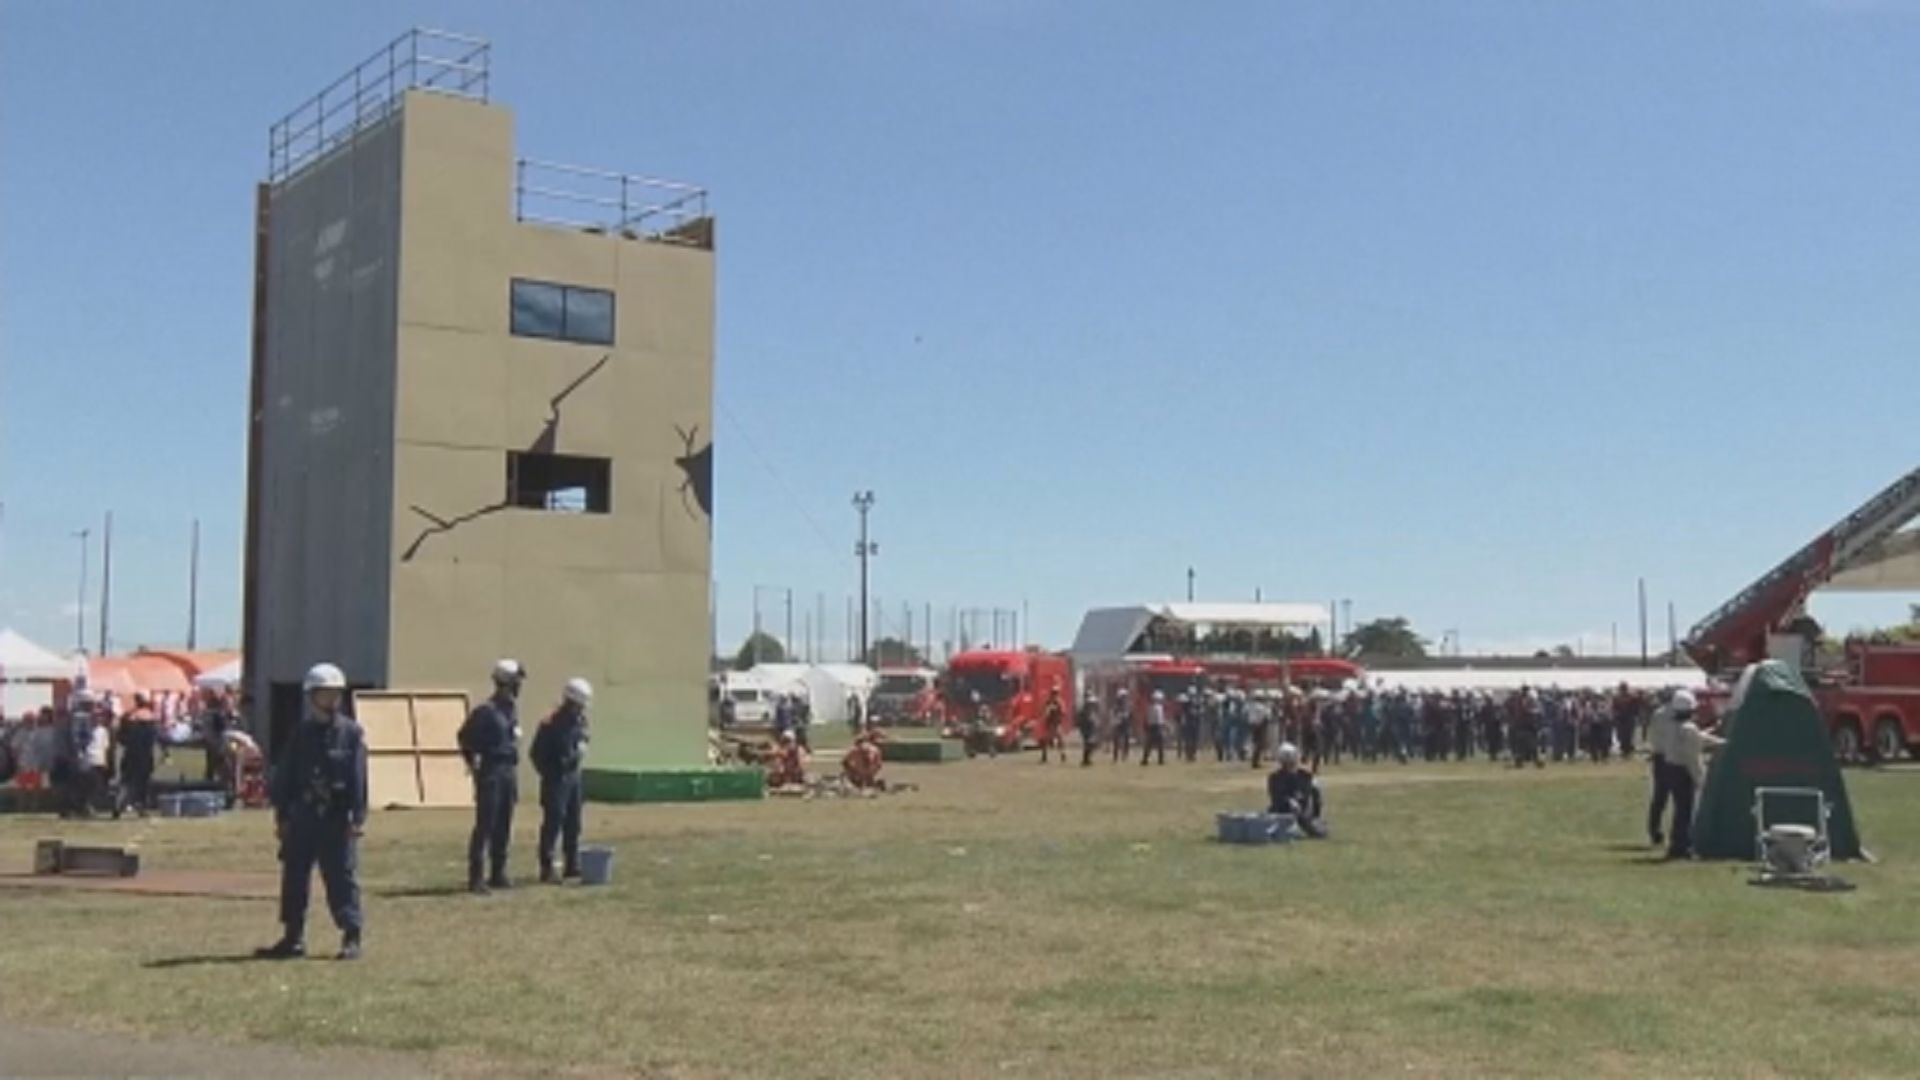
[{"x": 1777, "y": 739}]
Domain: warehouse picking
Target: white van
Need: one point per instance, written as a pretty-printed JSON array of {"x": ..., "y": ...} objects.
[{"x": 751, "y": 702}]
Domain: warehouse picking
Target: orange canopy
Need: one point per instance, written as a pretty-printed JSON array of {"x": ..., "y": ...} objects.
[
  {"x": 138, "y": 674},
  {"x": 194, "y": 664}
]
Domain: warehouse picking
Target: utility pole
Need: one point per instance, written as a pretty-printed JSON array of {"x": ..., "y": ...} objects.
[
  {"x": 1346, "y": 614},
  {"x": 865, "y": 549},
  {"x": 788, "y": 644},
  {"x": 1673, "y": 637},
  {"x": 106, "y": 581},
  {"x": 193, "y": 592},
  {"x": 1614, "y": 628},
  {"x": 1026, "y": 624},
  {"x": 754, "y": 642},
  {"x": 1189, "y": 584},
  {"x": 80, "y": 609},
  {"x": 1643, "y": 622}
]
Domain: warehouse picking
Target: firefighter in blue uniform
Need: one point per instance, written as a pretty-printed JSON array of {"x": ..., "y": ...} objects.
[
  {"x": 559, "y": 749},
  {"x": 490, "y": 741},
  {"x": 320, "y": 809}
]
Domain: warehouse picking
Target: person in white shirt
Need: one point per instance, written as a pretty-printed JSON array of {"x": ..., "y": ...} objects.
[
  {"x": 1686, "y": 752},
  {"x": 1659, "y": 736}
]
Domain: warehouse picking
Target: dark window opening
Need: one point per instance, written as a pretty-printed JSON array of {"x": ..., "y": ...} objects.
[
  {"x": 543, "y": 309},
  {"x": 561, "y": 483}
]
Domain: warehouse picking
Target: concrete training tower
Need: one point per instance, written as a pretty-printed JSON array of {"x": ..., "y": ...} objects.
[{"x": 481, "y": 411}]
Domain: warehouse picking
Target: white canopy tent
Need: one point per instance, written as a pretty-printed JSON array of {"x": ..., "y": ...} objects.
[
  {"x": 1110, "y": 633},
  {"x": 225, "y": 676},
  {"x": 23, "y": 661},
  {"x": 825, "y": 686}
]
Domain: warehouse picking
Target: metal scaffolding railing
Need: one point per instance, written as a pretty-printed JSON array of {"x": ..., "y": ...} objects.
[
  {"x": 569, "y": 196},
  {"x": 419, "y": 59}
]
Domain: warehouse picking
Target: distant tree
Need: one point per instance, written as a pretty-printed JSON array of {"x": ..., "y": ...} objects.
[
  {"x": 759, "y": 648},
  {"x": 1563, "y": 652},
  {"x": 1391, "y": 637},
  {"x": 892, "y": 652}
]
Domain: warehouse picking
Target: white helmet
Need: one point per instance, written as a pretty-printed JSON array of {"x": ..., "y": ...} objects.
[
  {"x": 1288, "y": 753},
  {"x": 324, "y": 677},
  {"x": 1683, "y": 702},
  {"x": 579, "y": 691},
  {"x": 508, "y": 671}
]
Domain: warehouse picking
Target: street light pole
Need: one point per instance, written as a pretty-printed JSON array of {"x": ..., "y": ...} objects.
[
  {"x": 865, "y": 549},
  {"x": 1189, "y": 584},
  {"x": 80, "y": 609}
]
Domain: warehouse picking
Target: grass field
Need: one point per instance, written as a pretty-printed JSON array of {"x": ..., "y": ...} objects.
[{"x": 1009, "y": 919}]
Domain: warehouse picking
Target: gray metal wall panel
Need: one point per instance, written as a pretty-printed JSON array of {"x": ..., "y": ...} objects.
[{"x": 326, "y": 445}]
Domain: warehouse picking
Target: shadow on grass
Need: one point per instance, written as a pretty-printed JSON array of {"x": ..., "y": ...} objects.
[
  {"x": 421, "y": 892},
  {"x": 169, "y": 962},
  {"x": 1629, "y": 849}
]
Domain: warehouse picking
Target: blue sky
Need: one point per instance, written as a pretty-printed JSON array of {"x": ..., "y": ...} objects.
[{"x": 1471, "y": 312}]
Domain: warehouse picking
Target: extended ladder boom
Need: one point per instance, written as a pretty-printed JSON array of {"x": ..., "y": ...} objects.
[{"x": 1736, "y": 633}]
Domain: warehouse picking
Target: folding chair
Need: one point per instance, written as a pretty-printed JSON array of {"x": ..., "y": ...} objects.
[{"x": 1799, "y": 845}]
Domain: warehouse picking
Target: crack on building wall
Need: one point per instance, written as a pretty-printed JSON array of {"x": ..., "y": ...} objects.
[
  {"x": 443, "y": 525},
  {"x": 550, "y": 435},
  {"x": 543, "y": 443},
  {"x": 697, "y": 467}
]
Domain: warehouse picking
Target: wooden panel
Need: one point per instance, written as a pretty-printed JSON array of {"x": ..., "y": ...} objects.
[
  {"x": 437, "y": 719},
  {"x": 444, "y": 780},
  {"x": 392, "y": 780},
  {"x": 387, "y": 720}
]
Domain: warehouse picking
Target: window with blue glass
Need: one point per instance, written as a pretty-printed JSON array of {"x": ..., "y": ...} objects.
[{"x": 544, "y": 309}]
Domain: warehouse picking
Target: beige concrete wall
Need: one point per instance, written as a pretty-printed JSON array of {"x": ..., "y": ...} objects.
[{"x": 619, "y": 598}]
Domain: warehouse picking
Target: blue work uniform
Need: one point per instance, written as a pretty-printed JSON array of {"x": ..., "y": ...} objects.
[
  {"x": 490, "y": 741},
  {"x": 1292, "y": 791},
  {"x": 559, "y": 749},
  {"x": 320, "y": 802}
]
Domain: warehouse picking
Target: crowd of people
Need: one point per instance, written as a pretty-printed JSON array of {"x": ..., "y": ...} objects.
[
  {"x": 1527, "y": 727},
  {"x": 98, "y": 752}
]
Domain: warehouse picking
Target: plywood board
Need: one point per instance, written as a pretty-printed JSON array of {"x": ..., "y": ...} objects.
[
  {"x": 437, "y": 719},
  {"x": 444, "y": 780},
  {"x": 392, "y": 780},
  {"x": 386, "y": 719}
]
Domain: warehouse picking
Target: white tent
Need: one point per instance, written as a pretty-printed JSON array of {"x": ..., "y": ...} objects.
[
  {"x": 23, "y": 661},
  {"x": 225, "y": 676},
  {"x": 1109, "y": 633},
  {"x": 825, "y": 686}
]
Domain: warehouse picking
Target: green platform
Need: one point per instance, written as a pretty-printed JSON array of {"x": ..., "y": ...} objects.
[
  {"x": 921, "y": 751},
  {"x": 674, "y": 785}
]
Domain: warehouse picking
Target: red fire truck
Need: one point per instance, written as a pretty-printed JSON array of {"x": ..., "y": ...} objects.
[
  {"x": 1012, "y": 685},
  {"x": 1872, "y": 700}
]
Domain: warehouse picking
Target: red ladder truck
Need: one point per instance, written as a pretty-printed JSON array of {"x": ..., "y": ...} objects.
[{"x": 1872, "y": 701}]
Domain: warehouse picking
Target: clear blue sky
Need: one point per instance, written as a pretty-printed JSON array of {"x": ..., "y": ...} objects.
[{"x": 1471, "y": 312}]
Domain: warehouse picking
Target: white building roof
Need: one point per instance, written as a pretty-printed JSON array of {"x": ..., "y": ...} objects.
[{"x": 1107, "y": 633}]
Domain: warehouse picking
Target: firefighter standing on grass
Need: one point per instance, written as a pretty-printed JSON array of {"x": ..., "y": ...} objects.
[
  {"x": 1087, "y": 719},
  {"x": 319, "y": 812},
  {"x": 490, "y": 741},
  {"x": 559, "y": 749},
  {"x": 1053, "y": 723}
]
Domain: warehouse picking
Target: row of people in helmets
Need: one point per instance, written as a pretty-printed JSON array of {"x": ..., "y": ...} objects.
[
  {"x": 319, "y": 795},
  {"x": 1239, "y": 724}
]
